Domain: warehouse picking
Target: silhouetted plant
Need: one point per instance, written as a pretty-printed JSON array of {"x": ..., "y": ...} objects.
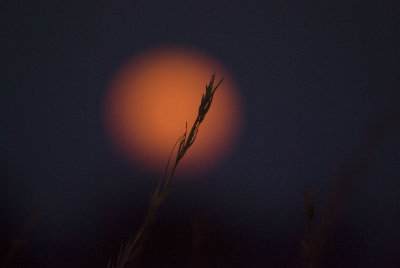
[{"x": 135, "y": 244}]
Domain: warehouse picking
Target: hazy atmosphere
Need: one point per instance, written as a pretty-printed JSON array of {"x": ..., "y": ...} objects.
[{"x": 319, "y": 92}]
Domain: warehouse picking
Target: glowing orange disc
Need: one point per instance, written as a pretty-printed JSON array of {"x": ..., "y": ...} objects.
[{"x": 153, "y": 96}]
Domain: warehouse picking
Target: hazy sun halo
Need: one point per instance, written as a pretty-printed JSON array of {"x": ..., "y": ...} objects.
[{"x": 154, "y": 94}]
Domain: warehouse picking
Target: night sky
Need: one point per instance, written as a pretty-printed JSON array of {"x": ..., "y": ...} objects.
[{"x": 320, "y": 86}]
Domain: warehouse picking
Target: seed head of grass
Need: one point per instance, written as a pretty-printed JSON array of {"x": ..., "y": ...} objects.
[{"x": 134, "y": 245}]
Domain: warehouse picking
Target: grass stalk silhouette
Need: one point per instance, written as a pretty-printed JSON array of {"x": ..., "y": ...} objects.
[{"x": 135, "y": 244}]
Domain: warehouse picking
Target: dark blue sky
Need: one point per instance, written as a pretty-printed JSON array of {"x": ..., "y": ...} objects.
[{"x": 320, "y": 87}]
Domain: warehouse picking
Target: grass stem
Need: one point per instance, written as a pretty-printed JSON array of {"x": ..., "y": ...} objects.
[{"x": 134, "y": 245}]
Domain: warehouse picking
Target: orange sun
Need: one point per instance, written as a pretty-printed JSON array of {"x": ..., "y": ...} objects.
[{"x": 153, "y": 96}]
